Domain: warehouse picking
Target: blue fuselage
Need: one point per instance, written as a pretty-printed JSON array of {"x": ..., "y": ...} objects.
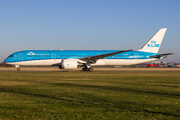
[{"x": 34, "y": 55}]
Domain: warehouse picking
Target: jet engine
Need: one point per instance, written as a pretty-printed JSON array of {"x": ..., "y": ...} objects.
[{"x": 68, "y": 64}]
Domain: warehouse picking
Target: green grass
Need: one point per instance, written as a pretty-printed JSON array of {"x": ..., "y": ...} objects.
[{"x": 90, "y": 95}]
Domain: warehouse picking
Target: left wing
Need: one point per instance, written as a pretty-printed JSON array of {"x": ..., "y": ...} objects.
[
  {"x": 93, "y": 59},
  {"x": 161, "y": 55}
]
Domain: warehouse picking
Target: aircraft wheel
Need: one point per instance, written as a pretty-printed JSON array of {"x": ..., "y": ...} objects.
[
  {"x": 83, "y": 69},
  {"x": 90, "y": 69},
  {"x": 18, "y": 69}
]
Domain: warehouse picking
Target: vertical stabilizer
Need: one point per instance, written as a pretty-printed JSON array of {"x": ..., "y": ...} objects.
[{"x": 154, "y": 43}]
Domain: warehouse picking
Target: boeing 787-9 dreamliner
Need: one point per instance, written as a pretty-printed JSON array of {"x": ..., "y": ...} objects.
[{"x": 71, "y": 59}]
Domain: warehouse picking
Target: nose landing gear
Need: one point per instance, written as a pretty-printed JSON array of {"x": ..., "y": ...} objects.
[
  {"x": 18, "y": 69},
  {"x": 17, "y": 66}
]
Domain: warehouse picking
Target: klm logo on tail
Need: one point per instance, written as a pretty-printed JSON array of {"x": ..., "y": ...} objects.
[{"x": 153, "y": 44}]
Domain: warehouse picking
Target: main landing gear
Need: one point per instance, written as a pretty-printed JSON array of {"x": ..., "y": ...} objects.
[
  {"x": 18, "y": 69},
  {"x": 87, "y": 69}
]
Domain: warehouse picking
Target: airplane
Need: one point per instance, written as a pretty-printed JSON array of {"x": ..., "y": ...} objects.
[{"x": 72, "y": 59}]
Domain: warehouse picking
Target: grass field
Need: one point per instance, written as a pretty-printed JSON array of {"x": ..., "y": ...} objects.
[{"x": 90, "y": 95}]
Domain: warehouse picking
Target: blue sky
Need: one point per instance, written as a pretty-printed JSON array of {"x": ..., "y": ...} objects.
[{"x": 83, "y": 24}]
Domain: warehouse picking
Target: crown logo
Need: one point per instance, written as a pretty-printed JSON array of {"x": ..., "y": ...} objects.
[{"x": 153, "y": 42}]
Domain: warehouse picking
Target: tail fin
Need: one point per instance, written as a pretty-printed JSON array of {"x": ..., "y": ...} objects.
[{"x": 154, "y": 43}]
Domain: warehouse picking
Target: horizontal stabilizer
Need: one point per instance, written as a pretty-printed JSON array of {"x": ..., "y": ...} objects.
[{"x": 161, "y": 55}]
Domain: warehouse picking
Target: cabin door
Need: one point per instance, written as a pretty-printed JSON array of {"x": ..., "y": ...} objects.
[
  {"x": 53, "y": 56},
  {"x": 20, "y": 56},
  {"x": 137, "y": 56}
]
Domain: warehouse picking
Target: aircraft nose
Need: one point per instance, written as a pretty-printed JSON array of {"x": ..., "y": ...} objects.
[{"x": 6, "y": 60}]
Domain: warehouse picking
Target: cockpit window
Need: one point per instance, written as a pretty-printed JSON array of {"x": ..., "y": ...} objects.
[{"x": 11, "y": 56}]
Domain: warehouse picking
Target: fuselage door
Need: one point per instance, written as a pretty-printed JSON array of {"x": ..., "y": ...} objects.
[
  {"x": 137, "y": 56},
  {"x": 20, "y": 56},
  {"x": 53, "y": 56}
]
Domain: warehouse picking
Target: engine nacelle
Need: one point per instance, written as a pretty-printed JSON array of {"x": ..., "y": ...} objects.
[{"x": 68, "y": 64}]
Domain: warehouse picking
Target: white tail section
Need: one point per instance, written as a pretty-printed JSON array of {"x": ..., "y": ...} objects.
[{"x": 154, "y": 43}]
